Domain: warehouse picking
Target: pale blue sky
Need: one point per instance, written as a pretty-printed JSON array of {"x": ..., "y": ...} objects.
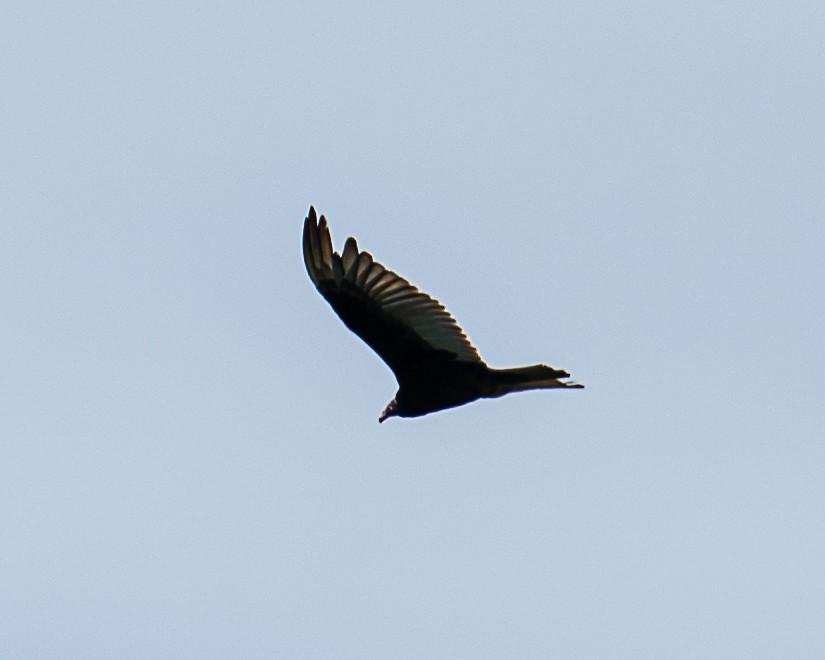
[{"x": 191, "y": 463}]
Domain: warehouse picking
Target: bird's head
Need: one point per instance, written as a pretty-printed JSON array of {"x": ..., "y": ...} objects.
[{"x": 390, "y": 411}]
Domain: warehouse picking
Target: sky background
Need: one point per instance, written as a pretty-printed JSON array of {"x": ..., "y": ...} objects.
[{"x": 190, "y": 459}]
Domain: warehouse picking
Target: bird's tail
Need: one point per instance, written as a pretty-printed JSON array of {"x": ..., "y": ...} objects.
[{"x": 535, "y": 377}]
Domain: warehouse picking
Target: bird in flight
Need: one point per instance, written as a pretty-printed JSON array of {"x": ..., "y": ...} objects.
[{"x": 434, "y": 363}]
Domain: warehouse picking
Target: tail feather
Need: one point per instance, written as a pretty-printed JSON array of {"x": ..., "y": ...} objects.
[{"x": 535, "y": 377}]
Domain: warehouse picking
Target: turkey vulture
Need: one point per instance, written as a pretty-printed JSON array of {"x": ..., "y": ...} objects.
[{"x": 434, "y": 363}]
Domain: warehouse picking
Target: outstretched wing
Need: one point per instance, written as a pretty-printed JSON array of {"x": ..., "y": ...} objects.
[{"x": 407, "y": 328}]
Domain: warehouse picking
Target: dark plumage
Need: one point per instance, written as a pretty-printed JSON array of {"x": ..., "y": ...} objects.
[{"x": 434, "y": 363}]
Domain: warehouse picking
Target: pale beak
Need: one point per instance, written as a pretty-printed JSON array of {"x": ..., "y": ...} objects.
[{"x": 389, "y": 411}]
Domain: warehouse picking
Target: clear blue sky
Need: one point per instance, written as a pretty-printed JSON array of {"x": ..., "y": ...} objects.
[{"x": 190, "y": 459}]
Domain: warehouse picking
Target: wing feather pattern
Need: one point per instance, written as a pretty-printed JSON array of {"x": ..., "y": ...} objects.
[{"x": 399, "y": 322}]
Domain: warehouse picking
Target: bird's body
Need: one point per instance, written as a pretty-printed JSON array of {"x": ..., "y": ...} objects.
[{"x": 434, "y": 363}]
